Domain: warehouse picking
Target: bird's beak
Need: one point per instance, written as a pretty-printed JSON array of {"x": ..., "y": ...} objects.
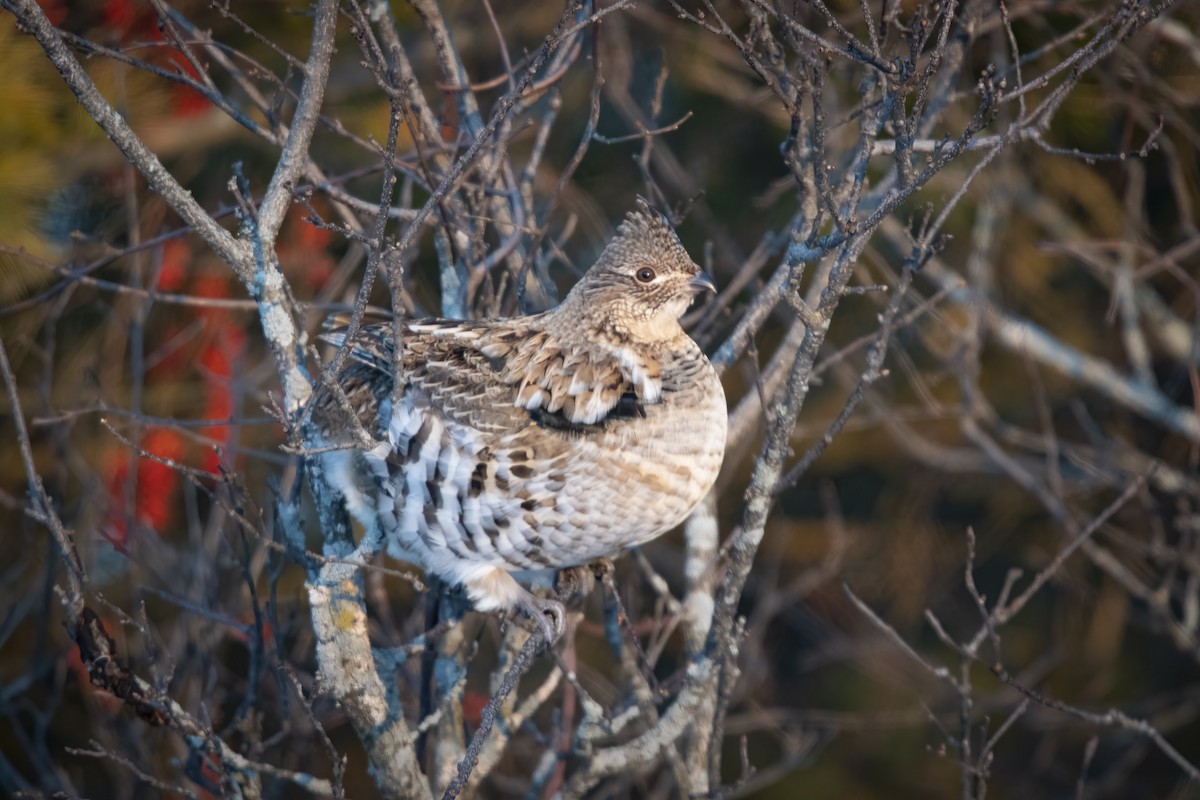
[{"x": 700, "y": 282}]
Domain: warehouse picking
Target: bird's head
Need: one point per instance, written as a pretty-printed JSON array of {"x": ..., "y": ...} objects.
[{"x": 642, "y": 282}]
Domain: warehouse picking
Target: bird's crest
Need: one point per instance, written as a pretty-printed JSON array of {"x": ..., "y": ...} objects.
[{"x": 646, "y": 232}]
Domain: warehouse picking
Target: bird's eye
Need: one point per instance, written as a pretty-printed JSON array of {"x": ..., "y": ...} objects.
[{"x": 645, "y": 275}]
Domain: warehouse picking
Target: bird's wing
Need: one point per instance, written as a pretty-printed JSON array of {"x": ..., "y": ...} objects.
[
  {"x": 475, "y": 372},
  {"x": 463, "y": 464},
  {"x": 443, "y": 369},
  {"x": 573, "y": 384}
]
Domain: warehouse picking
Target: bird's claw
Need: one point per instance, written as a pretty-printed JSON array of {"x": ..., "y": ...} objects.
[{"x": 550, "y": 616}]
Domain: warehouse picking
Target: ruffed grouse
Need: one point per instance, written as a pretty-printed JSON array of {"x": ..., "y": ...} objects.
[{"x": 541, "y": 442}]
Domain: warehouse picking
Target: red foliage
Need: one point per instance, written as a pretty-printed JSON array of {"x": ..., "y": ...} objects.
[
  {"x": 157, "y": 481},
  {"x": 268, "y": 631},
  {"x": 225, "y": 344},
  {"x": 123, "y": 19},
  {"x": 154, "y": 489},
  {"x": 472, "y": 706},
  {"x": 176, "y": 256},
  {"x": 187, "y": 101},
  {"x": 309, "y": 236},
  {"x": 304, "y": 255},
  {"x": 211, "y": 774},
  {"x": 55, "y": 10}
]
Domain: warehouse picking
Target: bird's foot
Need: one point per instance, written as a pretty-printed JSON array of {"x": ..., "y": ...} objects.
[
  {"x": 602, "y": 569},
  {"x": 494, "y": 589},
  {"x": 550, "y": 616},
  {"x": 574, "y": 584}
]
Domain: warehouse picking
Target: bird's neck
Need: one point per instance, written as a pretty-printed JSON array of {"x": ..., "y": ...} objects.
[{"x": 611, "y": 326}]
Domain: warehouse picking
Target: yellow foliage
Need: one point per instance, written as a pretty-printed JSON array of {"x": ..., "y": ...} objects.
[
  {"x": 1075, "y": 183},
  {"x": 49, "y": 143}
]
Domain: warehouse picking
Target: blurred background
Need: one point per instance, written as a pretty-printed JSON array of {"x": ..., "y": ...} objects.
[{"x": 1044, "y": 369}]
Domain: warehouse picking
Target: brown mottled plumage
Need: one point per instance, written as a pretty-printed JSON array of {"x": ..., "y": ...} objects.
[{"x": 540, "y": 442}]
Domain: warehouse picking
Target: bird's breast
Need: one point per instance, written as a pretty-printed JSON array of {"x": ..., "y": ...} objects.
[{"x": 656, "y": 468}]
